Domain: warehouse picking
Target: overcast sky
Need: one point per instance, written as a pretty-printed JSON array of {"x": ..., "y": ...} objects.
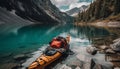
[{"x": 65, "y": 5}]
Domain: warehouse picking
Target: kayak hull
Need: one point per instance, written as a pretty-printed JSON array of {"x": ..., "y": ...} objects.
[{"x": 44, "y": 60}]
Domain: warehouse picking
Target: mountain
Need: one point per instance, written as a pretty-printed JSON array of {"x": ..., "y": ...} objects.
[
  {"x": 75, "y": 11},
  {"x": 85, "y": 0},
  {"x": 100, "y": 10},
  {"x": 36, "y": 10}
]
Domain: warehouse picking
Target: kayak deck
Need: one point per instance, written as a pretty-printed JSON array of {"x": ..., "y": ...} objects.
[{"x": 44, "y": 60}]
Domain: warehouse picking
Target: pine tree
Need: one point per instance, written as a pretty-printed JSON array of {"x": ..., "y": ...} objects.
[{"x": 116, "y": 7}]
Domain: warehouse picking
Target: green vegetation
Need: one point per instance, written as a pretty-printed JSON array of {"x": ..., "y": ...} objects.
[{"x": 100, "y": 10}]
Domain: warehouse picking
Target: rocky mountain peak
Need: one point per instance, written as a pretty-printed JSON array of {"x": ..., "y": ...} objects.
[{"x": 35, "y": 10}]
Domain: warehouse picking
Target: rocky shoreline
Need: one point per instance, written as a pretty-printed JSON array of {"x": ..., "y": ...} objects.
[
  {"x": 97, "y": 56},
  {"x": 112, "y": 52},
  {"x": 15, "y": 61},
  {"x": 100, "y": 24}
]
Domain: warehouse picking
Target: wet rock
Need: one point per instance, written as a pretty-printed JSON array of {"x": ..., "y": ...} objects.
[
  {"x": 65, "y": 67},
  {"x": 103, "y": 47},
  {"x": 89, "y": 64},
  {"x": 116, "y": 46},
  {"x": 91, "y": 50},
  {"x": 17, "y": 67},
  {"x": 74, "y": 62},
  {"x": 98, "y": 43},
  {"x": 86, "y": 66},
  {"x": 97, "y": 66},
  {"x": 81, "y": 57},
  {"x": 102, "y": 51},
  {"x": 106, "y": 66},
  {"x": 116, "y": 68},
  {"x": 97, "y": 39},
  {"x": 116, "y": 40},
  {"x": 109, "y": 51},
  {"x": 92, "y": 63},
  {"x": 7, "y": 55},
  {"x": 20, "y": 57},
  {"x": 77, "y": 67},
  {"x": 9, "y": 65}
]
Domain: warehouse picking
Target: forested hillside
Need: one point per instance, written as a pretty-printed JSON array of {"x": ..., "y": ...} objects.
[{"x": 99, "y": 10}]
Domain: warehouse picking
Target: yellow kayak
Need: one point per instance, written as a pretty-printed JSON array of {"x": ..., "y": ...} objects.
[{"x": 44, "y": 60}]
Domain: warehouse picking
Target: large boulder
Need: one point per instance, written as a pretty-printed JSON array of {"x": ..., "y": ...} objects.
[
  {"x": 92, "y": 64},
  {"x": 116, "y": 40},
  {"x": 89, "y": 64},
  {"x": 97, "y": 66},
  {"x": 116, "y": 46},
  {"x": 103, "y": 47},
  {"x": 91, "y": 50},
  {"x": 65, "y": 67},
  {"x": 109, "y": 51}
]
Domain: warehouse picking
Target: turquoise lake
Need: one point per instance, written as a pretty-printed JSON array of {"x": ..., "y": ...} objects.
[{"x": 30, "y": 38}]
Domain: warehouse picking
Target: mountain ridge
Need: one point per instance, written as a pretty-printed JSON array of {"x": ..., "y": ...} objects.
[
  {"x": 76, "y": 10},
  {"x": 36, "y": 10}
]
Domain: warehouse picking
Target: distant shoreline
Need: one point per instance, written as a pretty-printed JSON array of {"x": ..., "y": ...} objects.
[{"x": 100, "y": 24}]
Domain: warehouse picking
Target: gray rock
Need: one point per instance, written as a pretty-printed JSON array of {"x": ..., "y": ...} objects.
[
  {"x": 97, "y": 66},
  {"x": 91, "y": 50},
  {"x": 65, "y": 67},
  {"x": 116, "y": 68},
  {"x": 116, "y": 46},
  {"x": 10, "y": 66},
  {"x": 103, "y": 47},
  {"x": 102, "y": 51},
  {"x": 89, "y": 65},
  {"x": 109, "y": 51},
  {"x": 97, "y": 39},
  {"x": 86, "y": 66},
  {"x": 7, "y": 55},
  {"x": 77, "y": 67},
  {"x": 116, "y": 40},
  {"x": 20, "y": 57},
  {"x": 107, "y": 67},
  {"x": 74, "y": 62}
]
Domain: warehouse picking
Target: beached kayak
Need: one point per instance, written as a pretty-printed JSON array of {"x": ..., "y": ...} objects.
[
  {"x": 50, "y": 55},
  {"x": 44, "y": 60}
]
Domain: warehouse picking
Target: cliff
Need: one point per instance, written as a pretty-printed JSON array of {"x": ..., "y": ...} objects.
[{"x": 36, "y": 10}]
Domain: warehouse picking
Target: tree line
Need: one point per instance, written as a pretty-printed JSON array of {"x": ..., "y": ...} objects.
[{"x": 99, "y": 9}]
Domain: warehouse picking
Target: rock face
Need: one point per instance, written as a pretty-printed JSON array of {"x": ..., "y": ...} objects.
[
  {"x": 36, "y": 10},
  {"x": 116, "y": 45},
  {"x": 10, "y": 23},
  {"x": 75, "y": 11}
]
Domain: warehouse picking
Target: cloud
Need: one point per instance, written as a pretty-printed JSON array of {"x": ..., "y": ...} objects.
[
  {"x": 60, "y": 3},
  {"x": 78, "y": 4},
  {"x": 70, "y": 3}
]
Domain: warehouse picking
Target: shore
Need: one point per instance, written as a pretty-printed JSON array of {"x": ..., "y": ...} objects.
[
  {"x": 100, "y": 24},
  {"x": 111, "y": 49}
]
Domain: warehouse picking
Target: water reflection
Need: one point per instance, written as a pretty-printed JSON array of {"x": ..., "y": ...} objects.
[{"x": 32, "y": 37}]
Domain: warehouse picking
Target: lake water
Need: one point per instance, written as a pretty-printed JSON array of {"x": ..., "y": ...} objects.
[{"x": 34, "y": 38}]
